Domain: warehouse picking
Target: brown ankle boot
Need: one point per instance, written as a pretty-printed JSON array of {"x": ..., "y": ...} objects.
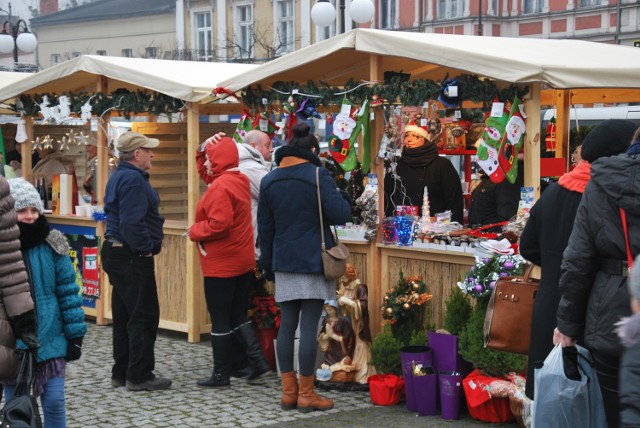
[
  {"x": 308, "y": 400},
  {"x": 289, "y": 399}
]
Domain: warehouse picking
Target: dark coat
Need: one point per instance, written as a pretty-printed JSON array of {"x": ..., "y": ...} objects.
[
  {"x": 629, "y": 333},
  {"x": 132, "y": 209},
  {"x": 494, "y": 203},
  {"x": 288, "y": 219},
  {"x": 542, "y": 242},
  {"x": 422, "y": 167},
  {"x": 593, "y": 288}
]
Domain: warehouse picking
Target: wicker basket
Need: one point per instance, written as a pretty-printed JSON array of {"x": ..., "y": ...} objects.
[{"x": 343, "y": 376}]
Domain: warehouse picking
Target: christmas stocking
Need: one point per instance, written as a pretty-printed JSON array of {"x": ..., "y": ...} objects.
[
  {"x": 340, "y": 145},
  {"x": 365, "y": 128},
  {"x": 494, "y": 129},
  {"x": 512, "y": 142},
  {"x": 245, "y": 125},
  {"x": 490, "y": 165}
]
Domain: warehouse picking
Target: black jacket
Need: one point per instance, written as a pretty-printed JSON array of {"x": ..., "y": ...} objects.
[
  {"x": 493, "y": 203},
  {"x": 422, "y": 167},
  {"x": 593, "y": 288},
  {"x": 542, "y": 242}
]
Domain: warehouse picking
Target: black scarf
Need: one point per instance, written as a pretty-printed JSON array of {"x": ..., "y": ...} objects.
[
  {"x": 33, "y": 234},
  {"x": 420, "y": 156},
  {"x": 298, "y": 152}
]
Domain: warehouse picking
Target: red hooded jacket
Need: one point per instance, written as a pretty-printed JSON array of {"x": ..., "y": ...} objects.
[{"x": 223, "y": 230}]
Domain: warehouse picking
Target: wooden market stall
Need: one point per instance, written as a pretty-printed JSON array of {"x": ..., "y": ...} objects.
[
  {"x": 365, "y": 55},
  {"x": 187, "y": 84}
]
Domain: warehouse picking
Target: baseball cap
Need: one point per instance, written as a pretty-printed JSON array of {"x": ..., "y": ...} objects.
[{"x": 130, "y": 141}]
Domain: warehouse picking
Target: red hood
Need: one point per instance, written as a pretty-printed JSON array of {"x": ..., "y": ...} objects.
[{"x": 222, "y": 156}]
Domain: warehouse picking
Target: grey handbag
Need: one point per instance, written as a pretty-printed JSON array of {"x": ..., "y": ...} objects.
[{"x": 334, "y": 260}]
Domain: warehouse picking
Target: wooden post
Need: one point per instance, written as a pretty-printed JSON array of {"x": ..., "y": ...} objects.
[
  {"x": 26, "y": 150},
  {"x": 103, "y": 303},
  {"x": 194, "y": 279},
  {"x": 532, "y": 140},
  {"x": 376, "y": 74},
  {"x": 563, "y": 115}
]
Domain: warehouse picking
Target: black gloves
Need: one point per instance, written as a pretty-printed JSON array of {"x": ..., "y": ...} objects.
[
  {"x": 74, "y": 349},
  {"x": 26, "y": 329}
]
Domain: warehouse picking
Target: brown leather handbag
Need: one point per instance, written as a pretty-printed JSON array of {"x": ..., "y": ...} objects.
[{"x": 507, "y": 323}]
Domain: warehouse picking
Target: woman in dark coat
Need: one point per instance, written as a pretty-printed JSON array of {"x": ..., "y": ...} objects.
[
  {"x": 593, "y": 286},
  {"x": 289, "y": 235},
  {"x": 420, "y": 166},
  {"x": 546, "y": 234}
]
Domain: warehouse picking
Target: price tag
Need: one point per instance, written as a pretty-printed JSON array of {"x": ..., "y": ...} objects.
[
  {"x": 452, "y": 90},
  {"x": 457, "y": 114},
  {"x": 372, "y": 116},
  {"x": 294, "y": 91},
  {"x": 264, "y": 125},
  {"x": 265, "y": 101},
  {"x": 496, "y": 109},
  {"x": 345, "y": 109},
  {"x": 322, "y": 124},
  {"x": 423, "y": 122}
]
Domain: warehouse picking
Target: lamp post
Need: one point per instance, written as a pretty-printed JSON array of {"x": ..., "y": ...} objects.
[{"x": 18, "y": 38}]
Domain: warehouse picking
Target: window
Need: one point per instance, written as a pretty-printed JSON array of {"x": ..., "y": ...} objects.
[
  {"x": 55, "y": 59},
  {"x": 203, "y": 35},
  {"x": 387, "y": 14},
  {"x": 150, "y": 52},
  {"x": 588, "y": 3},
  {"x": 284, "y": 41},
  {"x": 448, "y": 9},
  {"x": 127, "y": 53},
  {"x": 532, "y": 6},
  {"x": 101, "y": 53},
  {"x": 243, "y": 23}
]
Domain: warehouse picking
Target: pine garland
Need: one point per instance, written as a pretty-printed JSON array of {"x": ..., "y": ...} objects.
[
  {"x": 122, "y": 101},
  {"x": 395, "y": 90}
]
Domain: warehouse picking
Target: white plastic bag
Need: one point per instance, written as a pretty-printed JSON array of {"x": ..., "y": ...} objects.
[{"x": 563, "y": 402}]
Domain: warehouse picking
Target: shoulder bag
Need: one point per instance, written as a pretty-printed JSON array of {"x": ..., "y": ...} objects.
[
  {"x": 507, "y": 323},
  {"x": 334, "y": 260},
  {"x": 21, "y": 411}
]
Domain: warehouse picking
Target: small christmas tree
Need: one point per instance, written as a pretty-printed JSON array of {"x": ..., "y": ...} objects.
[{"x": 404, "y": 309}]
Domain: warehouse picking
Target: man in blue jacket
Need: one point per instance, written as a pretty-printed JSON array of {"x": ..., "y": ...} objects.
[{"x": 133, "y": 236}]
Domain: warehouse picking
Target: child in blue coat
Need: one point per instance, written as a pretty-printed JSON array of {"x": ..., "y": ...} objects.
[{"x": 59, "y": 313}]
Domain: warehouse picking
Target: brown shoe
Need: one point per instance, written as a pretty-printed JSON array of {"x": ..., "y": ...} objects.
[
  {"x": 289, "y": 399},
  {"x": 308, "y": 400}
]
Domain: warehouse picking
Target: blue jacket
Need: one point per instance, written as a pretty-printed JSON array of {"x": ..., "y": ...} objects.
[
  {"x": 131, "y": 206},
  {"x": 57, "y": 297},
  {"x": 288, "y": 220}
]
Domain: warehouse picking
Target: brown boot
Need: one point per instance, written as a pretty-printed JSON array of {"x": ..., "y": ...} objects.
[
  {"x": 308, "y": 400},
  {"x": 289, "y": 399}
]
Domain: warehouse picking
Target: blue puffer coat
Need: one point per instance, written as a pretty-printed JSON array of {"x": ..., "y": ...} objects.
[
  {"x": 57, "y": 297},
  {"x": 288, "y": 220}
]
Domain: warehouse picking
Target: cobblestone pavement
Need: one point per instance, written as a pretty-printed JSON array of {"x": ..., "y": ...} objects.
[{"x": 92, "y": 402}]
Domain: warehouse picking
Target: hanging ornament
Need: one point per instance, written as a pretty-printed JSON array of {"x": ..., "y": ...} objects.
[
  {"x": 63, "y": 144},
  {"x": 415, "y": 286},
  {"x": 388, "y": 312},
  {"x": 550, "y": 140},
  {"x": 85, "y": 110},
  {"x": 406, "y": 307},
  {"x": 21, "y": 132},
  {"x": 64, "y": 109}
]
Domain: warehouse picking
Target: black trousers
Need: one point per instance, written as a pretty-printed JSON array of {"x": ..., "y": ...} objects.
[
  {"x": 136, "y": 312},
  {"x": 227, "y": 301}
]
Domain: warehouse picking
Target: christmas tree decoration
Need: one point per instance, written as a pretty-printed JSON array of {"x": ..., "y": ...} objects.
[
  {"x": 450, "y": 94},
  {"x": 404, "y": 306},
  {"x": 425, "y": 221},
  {"x": 480, "y": 280},
  {"x": 85, "y": 111}
]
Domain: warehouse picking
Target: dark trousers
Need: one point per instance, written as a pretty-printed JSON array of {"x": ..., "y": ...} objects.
[
  {"x": 227, "y": 301},
  {"x": 608, "y": 368},
  {"x": 136, "y": 312}
]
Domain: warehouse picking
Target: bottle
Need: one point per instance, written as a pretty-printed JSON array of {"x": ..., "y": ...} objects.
[{"x": 42, "y": 191}]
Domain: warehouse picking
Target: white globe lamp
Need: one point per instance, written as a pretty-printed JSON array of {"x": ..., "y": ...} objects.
[
  {"x": 361, "y": 11},
  {"x": 323, "y": 13},
  {"x": 26, "y": 42},
  {"x": 6, "y": 43}
]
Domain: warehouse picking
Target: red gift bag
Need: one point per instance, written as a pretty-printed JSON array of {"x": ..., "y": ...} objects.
[
  {"x": 482, "y": 406},
  {"x": 265, "y": 339},
  {"x": 385, "y": 390}
]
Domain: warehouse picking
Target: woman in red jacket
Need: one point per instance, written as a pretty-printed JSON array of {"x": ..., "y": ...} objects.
[{"x": 223, "y": 233}]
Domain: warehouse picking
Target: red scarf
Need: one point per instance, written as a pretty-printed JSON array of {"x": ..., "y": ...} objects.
[{"x": 577, "y": 179}]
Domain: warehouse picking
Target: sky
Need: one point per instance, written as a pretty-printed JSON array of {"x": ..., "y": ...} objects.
[{"x": 21, "y": 7}]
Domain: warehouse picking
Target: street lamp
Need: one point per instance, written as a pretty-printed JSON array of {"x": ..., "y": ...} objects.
[
  {"x": 17, "y": 38},
  {"x": 323, "y": 12}
]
